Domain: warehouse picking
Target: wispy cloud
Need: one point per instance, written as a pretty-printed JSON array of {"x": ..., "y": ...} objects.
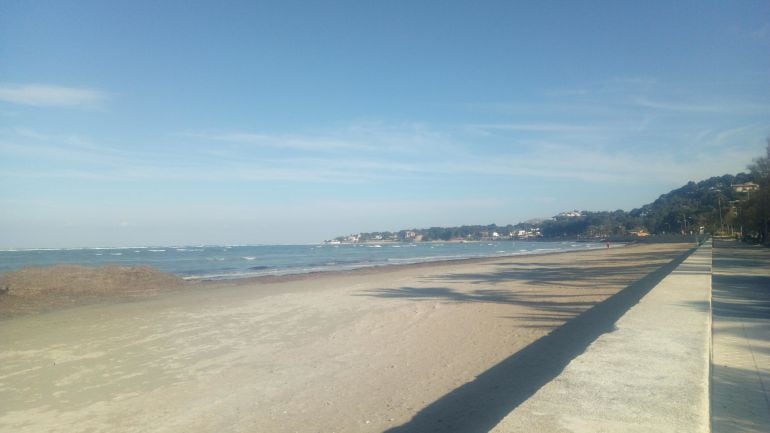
[
  {"x": 533, "y": 127},
  {"x": 46, "y": 95},
  {"x": 278, "y": 141},
  {"x": 40, "y": 136},
  {"x": 363, "y": 136},
  {"x": 759, "y": 32},
  {"x": 678, "y": 106},
  {"x": 597, "y": 151},
  {"x": 762, "y": 32}
]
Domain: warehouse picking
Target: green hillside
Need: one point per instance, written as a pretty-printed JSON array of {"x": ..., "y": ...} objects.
[
  {"x": 730, "y": 205},
  {"x": 712, "y": 204}
]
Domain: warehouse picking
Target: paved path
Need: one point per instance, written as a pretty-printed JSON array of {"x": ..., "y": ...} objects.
[
  {"x": 741, "y": 338},
  {"x": 651, "y": 374}
]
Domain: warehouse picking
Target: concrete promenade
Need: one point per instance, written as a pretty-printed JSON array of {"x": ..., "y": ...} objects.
[
  {"x": 741, "y": 338},
  {"x": 650, "y": 374}
]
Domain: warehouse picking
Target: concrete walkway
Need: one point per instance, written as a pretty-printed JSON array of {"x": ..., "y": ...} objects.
[
  {"x": 741, "y": 338},
  {"x": 651, "y": 374}
]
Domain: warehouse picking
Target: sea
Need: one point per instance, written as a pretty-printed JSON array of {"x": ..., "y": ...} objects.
[{"x": 212, "y": 262}]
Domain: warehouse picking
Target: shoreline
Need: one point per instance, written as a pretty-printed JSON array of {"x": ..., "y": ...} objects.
[
  {"x": 14, "y": 304},
  {"x": 268, "y": 267},
  {"x": 375, "y": 268},
  {"x": 40, "y": 304}
]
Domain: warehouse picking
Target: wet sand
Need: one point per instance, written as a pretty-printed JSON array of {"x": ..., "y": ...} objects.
[{"x": 361, "y": 351}]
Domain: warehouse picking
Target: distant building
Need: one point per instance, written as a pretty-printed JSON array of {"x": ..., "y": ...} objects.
[
  {"x": 570, "y": 214},
  {"x": 746, "y": 187},
  {"x": 526, "y": 234}
]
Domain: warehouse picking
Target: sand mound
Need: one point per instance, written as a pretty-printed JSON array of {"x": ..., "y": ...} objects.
[{"x": 44, "y": 288}]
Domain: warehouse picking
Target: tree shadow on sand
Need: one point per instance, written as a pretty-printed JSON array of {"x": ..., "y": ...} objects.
[
  {"x": 541, "y": 301},
  {"x": 602, "y": 273},
  {"x": 479, "y": 405}
]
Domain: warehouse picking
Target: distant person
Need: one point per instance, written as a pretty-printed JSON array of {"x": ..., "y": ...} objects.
[{"x": 608, "y": 244}]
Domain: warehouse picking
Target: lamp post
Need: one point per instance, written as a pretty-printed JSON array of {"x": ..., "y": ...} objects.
[{"x": 719, "y": 204}]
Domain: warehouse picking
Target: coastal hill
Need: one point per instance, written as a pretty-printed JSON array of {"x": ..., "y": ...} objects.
[{"x": 728, "y": 205}]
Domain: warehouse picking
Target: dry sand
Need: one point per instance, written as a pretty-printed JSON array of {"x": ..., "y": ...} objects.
[{"x": 361, "y": 351}]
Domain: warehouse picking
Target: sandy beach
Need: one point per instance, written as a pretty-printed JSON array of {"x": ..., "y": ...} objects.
[{"x": 359, "y": 351}]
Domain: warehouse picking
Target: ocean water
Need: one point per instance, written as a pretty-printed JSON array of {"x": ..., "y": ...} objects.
[{"x": 236, "y": 261}]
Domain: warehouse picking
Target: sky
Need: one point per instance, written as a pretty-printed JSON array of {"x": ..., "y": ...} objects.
[{"x": 259, "y": 122}]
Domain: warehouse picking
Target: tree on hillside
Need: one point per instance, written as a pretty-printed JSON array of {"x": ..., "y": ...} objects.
[
  {"x": 706, "y": 204},
  {"x": 757, "y": 209}
]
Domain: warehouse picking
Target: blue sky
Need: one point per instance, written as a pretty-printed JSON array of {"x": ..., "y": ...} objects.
[{"x": 127, "y": 123}]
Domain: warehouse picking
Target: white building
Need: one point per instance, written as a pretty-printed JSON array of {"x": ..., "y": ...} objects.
[
  {"x": 570, "y": 214},
  {"x": 746, "y": 187}
]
